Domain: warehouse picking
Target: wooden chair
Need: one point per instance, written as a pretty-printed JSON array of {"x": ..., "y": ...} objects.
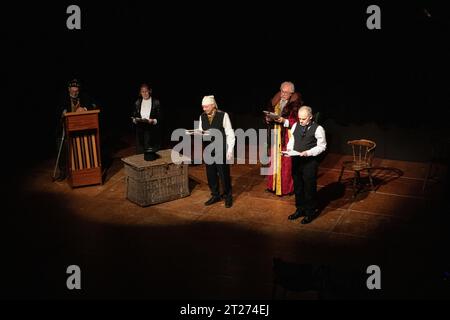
[{"x": 363, "y": 152}]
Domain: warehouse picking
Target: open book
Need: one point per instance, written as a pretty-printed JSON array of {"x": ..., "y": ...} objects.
[
  {"x": 291, "y": 153},
  {"x": 197, "y": 132},
  {"x": 271, "y": 115}
]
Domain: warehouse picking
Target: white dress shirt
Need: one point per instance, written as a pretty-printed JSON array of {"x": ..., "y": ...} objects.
[
  {"x": 229, "y": 132},
  {"x": 321, "y": 142},
  {"x": 146, "y": 109}
]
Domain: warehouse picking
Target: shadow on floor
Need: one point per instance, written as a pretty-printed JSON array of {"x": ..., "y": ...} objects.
[{"x": 131, "y": 252}]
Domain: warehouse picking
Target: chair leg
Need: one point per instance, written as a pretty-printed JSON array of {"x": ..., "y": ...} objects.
[
  {"x": 340, "y": 176},
  {"x": 370, "y": 179},
  {"x": 355, "y": 183}
]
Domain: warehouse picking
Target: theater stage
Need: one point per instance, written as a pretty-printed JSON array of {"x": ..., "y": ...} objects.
[{"x": 182, "y": 249}]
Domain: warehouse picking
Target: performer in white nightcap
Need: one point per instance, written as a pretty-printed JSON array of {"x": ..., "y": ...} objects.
[{"x": 213, "y": 118}]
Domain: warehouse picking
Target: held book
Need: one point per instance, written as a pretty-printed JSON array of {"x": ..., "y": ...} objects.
[
  {"x": 136, "y": 120},
  {"x": 271, "y": 115}
]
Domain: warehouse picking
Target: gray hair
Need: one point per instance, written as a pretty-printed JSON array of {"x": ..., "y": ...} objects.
[
  {"x": 288, "y": 83},
  {"x": 307, "y": 108}
]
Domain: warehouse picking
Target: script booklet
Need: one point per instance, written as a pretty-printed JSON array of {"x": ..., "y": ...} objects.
[
  {"x": 291, "y": 153},
  {"x": 271, "y": 115},
  {"x": 197, "y": 132},
  {"x": 135, "y": 120}
]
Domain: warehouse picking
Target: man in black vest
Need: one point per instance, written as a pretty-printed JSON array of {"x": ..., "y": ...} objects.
[
  {"x": 212, "y": 118},
  {"x": 308, "y": 139}
]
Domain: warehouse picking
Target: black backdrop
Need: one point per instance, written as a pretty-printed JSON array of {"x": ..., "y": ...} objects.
[{"x": 238, "y": 51}]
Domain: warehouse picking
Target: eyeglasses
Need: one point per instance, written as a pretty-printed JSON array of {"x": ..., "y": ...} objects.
[{"x": 286, "y": 92}]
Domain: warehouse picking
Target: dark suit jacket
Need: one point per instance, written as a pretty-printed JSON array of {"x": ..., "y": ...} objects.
[
  {"x": 148, "y": 134},
  {"x": 154, "y": 114}
]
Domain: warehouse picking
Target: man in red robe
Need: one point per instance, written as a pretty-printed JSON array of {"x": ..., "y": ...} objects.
[{"x": 286, "y": 104}]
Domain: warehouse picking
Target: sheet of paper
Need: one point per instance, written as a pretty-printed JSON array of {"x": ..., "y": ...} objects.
[
  {"x": 291, "y": 153},
  {"x": 197, "y": 132}
]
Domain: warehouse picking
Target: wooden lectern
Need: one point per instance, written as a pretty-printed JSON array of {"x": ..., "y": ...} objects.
[{"x": 83, "y": 138}]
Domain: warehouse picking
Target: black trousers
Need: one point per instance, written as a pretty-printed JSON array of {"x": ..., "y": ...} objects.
[
  {"x": 146, "y": 137},
  {"x": 216, "y": 172},
  {"x": 304, "y": 174}
]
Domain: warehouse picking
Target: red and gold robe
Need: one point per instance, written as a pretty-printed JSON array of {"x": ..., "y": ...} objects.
[{"x": 280, "y": 180}]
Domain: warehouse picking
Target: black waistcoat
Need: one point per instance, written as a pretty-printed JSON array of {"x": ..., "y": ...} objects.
[
  {"x": 217, "y": 123},
  {"x": 307, "y": 141}
]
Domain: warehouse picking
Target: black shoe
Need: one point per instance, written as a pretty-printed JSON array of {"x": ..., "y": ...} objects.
[
  {"x": 297, "y": 214},
  {"x": 228, "y": 202},
  {"x": 61, "y": 177},
  {"x": 307, "y": 220},
  {"x": 212, "y": 201}
]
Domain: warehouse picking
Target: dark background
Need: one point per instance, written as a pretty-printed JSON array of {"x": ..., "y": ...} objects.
[
  {"x": 240, "y": 52},
  {"x": 389, "y": 85}
]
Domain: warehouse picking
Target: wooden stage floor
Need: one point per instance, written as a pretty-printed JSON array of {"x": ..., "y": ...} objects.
[{"x": 184, "y": 250}]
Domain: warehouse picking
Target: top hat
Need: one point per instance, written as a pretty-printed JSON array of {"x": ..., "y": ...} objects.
[{"x": 150, "y": 154}]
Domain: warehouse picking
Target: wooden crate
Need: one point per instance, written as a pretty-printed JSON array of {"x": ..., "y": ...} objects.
[{"x": 152, "y": 182}]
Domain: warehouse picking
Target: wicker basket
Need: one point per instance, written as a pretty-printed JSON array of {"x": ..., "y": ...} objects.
[{"x": 152, "y": 182}]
